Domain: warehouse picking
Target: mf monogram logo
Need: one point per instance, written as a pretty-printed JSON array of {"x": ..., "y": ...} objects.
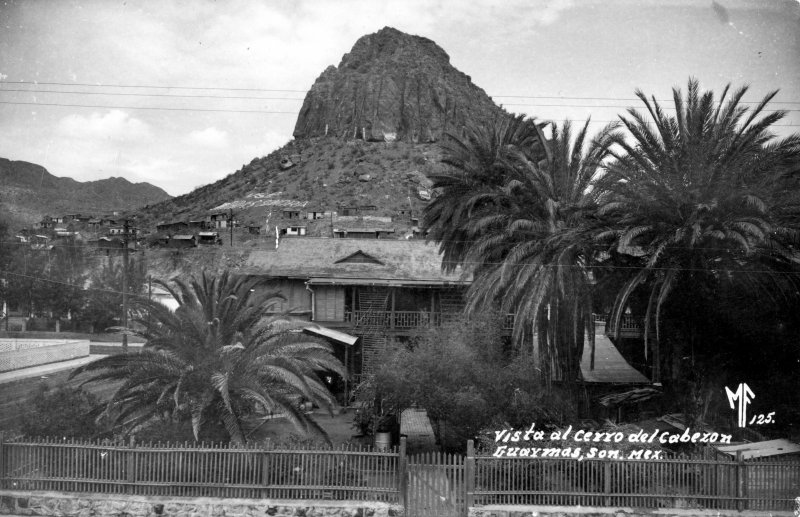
[{"x": 743, "y": 395}]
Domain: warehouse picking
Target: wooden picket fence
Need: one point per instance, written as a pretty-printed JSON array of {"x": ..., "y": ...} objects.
[
  {"x": 427, "y": 485},
  {"x": 676, "y": 482},
  {"x": 200, "y": 470}
]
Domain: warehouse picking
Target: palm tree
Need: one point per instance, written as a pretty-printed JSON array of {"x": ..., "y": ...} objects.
[
  {"x": 220, "y": 358},
  {"x": 704, "y": 197},
  {"x": 524, "y": 221}
]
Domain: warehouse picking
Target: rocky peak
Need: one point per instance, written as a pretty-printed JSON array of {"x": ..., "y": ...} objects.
[{"x": 393, "y": 85}]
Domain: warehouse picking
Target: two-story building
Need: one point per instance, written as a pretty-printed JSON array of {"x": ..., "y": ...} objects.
[{"x": 378, "y": 291}]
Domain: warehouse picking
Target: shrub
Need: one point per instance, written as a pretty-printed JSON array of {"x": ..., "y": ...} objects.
[{"x": 63, "y": 411}]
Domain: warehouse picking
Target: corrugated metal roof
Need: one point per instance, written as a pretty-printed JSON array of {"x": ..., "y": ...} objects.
[
  {"x": 341, "y": 337},
  {"x": 403, "y": 261},
  {"x": 762, "y": 449}
]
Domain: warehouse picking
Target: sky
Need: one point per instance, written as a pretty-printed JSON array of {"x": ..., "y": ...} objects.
[{"x": 80, "y": 81}]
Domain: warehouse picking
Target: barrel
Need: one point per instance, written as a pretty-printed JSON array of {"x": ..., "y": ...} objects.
[{"x": 383, "y": 441}]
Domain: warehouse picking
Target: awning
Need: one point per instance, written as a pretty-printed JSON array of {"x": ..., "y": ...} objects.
[{"x": 335, "y": 335}]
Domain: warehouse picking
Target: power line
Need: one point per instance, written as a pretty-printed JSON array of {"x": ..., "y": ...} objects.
[
  {"x": 224, "y": 110},
  {"x": 635, "y": 99},
  {"x": 68, "y": 284},
  {"x": 294, "y": 99},
  {"x": 127, "y": 94},
  {"x": 604, "y": 106},
  {"x": 146, "y": 108},
  {"x": 215, "y": 88},
  {"x": 160, "y": 87}
]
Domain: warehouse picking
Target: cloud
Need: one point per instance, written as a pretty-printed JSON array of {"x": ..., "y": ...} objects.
[
  {"x": 115, "y": 125},
  {"x": 210, "y": 137}
]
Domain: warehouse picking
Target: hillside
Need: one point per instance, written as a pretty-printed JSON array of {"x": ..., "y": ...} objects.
[
  {"x": 367, "y": 135},
  {"x": 28, "y": 192}
]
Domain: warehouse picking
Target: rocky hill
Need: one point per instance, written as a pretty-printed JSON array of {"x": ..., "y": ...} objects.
[
  {"x": 393, "y": 86},
  {"x": 366, "y": 136},
  {"x": 28, "y": 192}
]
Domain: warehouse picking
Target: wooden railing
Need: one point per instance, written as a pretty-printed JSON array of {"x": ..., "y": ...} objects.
[
  {"x": 629, "y": 326},
  {"x": 407, "y": 320}
]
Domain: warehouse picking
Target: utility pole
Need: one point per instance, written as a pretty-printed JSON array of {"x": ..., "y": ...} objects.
[
  {"x": 125, "y": 287},
  {"x": 230, "y": 223}
]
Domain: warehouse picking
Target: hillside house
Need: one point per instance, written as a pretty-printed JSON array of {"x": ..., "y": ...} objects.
[
  {"x": 110, "y": 244},
  {"x": 380, "y": 291},
  {"x": 291, "y": 213},
  {"x": 199, "y": 225},
  {"x": 363, "y": 233},
  {"x": 294, "y": 231},
  {"x": 182, "y": 241},
  {"x": 45, "y": 224},
  {"x": 218, "y": 220},
  {"x": 172, "y": 227},
  {"x": 209, "y": 238},
  {"x": 313, "y": 214}
]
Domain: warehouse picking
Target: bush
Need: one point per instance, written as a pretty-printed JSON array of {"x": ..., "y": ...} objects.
[
  {"x": 467, "y": 379},
  {"x": 63, "y": 411}
]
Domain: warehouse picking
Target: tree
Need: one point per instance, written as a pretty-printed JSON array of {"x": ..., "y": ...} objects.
[
  {"x": 708, "y": 198},
  {"x": 525, "y": 221},
  {"x": 104, "y": 303},
  {"x": 219, "y": 359},
  {"x": 467, "y": 380}
]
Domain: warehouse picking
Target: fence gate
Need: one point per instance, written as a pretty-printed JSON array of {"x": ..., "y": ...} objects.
[{"x": 436, "y": 486}]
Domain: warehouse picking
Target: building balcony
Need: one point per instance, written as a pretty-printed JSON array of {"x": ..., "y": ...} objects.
[{"x": 407, "y": 320}]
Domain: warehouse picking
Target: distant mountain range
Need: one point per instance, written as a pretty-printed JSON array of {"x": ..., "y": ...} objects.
[{"x": 28, "y": 192}]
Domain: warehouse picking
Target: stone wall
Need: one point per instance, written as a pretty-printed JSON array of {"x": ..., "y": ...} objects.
[
  {"x": 24, "y": 353},
  {"x": 85, "y": 505},
  {"x": 602, "y": 511}
]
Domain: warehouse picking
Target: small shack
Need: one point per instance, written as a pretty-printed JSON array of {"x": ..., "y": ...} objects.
[
  {"x": 208, "y": 238},
  {"x": 182, "y": 241},
  {"x": 290, "y": 213},
  {"x": 297, "y": 231}
]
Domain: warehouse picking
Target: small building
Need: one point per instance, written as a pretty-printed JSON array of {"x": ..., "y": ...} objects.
[
  {"x": 316, "y": 213},
  {"x": 40, "y": 242},
  {"x": 116, "y": 230},
  {"x": 208, "y": 238},
  {"x": 173, "y": 226},
  {"x": 363, "y": 233},
  {"x": 218, "y": 220},
  {"x": 182, "y": 241},
  {"x": 290, "y": 213},
  {"x": 296, "y": 231},
  {"x": 199, "y": 225},
  {"x": 109, "y": 244},
  {"x": 253, "y": 229},
  {"x": 93, "y": 223}
]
